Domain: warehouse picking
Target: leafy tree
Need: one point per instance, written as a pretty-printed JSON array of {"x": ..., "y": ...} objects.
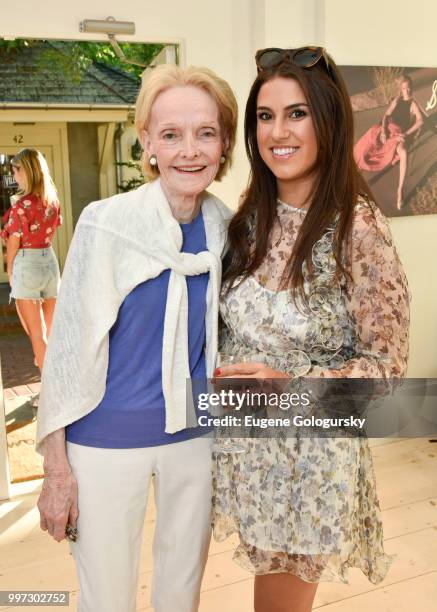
[{"x": 74, "y": 57}]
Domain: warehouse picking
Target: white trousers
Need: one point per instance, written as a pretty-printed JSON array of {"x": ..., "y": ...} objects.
[{"x": 113, "y": 486}]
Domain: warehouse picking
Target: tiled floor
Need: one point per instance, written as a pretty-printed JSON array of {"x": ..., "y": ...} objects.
[{"x": 406, "y": 472}]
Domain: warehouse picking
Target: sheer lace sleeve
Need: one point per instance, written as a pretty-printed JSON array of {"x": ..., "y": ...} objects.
[{"x": 377, "y": 301}]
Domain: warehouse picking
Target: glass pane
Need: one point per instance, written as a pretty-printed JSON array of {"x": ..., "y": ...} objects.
[{"x": 8, "y": 186}]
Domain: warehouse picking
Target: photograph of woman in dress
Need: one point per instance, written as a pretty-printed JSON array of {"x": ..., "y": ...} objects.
[
  {"x": 386, "y": 143},
  {"x": 313, "y": 287},
  {"x": 395, "y": 116}
]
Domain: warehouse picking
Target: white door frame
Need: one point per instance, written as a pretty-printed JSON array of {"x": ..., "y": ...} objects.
[{"x": 5, "y": 478}]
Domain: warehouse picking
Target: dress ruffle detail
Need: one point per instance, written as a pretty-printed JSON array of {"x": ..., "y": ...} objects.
[{"x": 309, "y": 506}]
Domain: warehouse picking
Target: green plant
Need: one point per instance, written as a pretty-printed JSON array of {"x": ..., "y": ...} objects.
[{"x": 134, "y": 182}]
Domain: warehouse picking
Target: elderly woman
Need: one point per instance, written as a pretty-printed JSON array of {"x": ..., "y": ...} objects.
[{"x": 136, "y": 318}]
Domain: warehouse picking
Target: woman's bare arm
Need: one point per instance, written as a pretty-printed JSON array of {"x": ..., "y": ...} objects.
[
  {"x": 57, "y": 503},
  {"x": 385, "y": 116},
  {"x": 55, "y": 454}
]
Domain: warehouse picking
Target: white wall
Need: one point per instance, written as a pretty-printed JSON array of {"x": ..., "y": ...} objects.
[
  {"x": 224, "y": 34},
  {"x": 397, "y": 33}
]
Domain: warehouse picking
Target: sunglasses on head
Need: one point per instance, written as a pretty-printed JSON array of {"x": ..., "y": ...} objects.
[{"x": 304, "y": 57}]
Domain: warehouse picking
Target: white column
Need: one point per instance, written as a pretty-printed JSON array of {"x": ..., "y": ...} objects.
[{"x": 4, "y": 461}]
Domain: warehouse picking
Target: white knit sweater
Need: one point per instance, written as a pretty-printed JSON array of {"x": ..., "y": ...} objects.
[{"x": 118, "y": 243}]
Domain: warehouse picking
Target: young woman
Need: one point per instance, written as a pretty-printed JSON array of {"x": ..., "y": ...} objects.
[
  {"x": 313, "y": 287},
  {"x": 29, "y": 229}
]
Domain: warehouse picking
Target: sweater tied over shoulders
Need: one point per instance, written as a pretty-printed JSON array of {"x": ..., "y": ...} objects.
[{"x": 119, "y": 243}]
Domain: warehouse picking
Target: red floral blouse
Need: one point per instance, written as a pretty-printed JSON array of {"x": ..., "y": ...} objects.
[{"x": 32, "y": 221}]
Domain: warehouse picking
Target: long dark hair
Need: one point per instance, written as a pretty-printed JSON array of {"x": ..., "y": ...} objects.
[{"x": 336, "y": 188}]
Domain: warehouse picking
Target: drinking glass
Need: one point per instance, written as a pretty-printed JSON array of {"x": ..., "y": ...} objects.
[{"x": 226, "y": 444}]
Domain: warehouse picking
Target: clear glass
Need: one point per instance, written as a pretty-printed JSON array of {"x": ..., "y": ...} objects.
[{"x": 226, "y": 444}]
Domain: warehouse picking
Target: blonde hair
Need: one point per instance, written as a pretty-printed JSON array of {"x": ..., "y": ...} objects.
[
  {"x": 164, "y": 77},
  {"x": 38, "y": 179}
]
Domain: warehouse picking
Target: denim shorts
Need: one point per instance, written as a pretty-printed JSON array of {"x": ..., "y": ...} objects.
[{"x": 35, "y": 275}]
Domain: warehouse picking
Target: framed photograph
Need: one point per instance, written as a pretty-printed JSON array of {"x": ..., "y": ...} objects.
[{"x": 395, "y": 111}]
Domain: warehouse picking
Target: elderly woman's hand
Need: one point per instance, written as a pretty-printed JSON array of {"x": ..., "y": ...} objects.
[{"x": 57, "y": 503}]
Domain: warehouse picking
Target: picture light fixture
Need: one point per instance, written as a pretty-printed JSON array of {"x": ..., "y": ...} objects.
[
  {"x": 107, "y": 26},
  {"x": 111, "y": 27}
]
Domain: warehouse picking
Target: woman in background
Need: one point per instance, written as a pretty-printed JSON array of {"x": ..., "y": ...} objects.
[
  {"x": 32, "y": 267},
  {"x": 387, "y": 142}
]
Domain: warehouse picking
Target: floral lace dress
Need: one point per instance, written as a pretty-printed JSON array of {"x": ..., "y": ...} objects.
[{"x": 308, "y": 506}]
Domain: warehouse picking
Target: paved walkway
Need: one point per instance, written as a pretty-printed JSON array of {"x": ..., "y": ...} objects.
[
  {"x": 21, "y": 380},
  {"x": 19, "y": 374}
]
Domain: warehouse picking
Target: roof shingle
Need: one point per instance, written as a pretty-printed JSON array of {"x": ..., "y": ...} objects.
[{"x": 22, "y": 80}]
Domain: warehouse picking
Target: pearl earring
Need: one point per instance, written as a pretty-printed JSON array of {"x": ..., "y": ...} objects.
[
  {"x": 153, "y": 161},
  {"x": 222, "y": 159}
]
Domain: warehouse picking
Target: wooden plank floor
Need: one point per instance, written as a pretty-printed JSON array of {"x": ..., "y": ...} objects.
[{"x": 406, "y": 472}]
